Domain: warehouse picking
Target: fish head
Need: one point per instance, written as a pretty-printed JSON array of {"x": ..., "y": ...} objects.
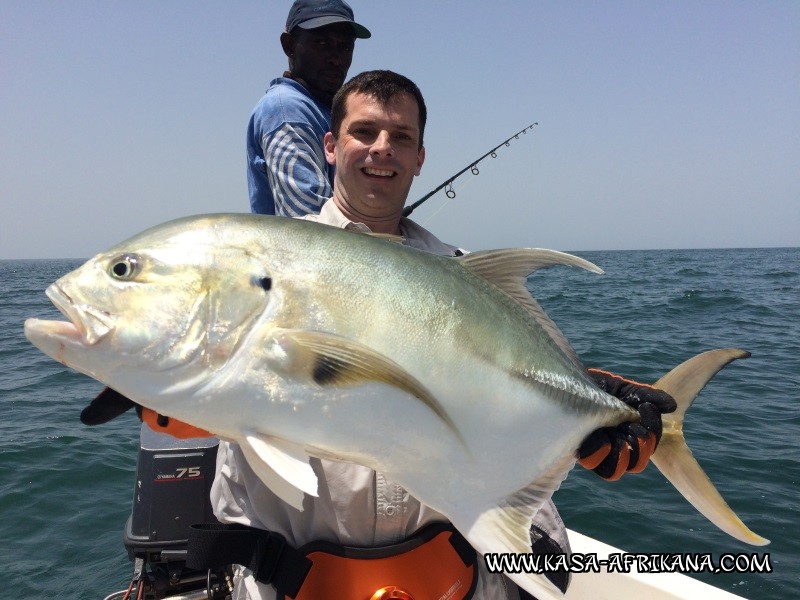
[{"x": 169, "y": 307}]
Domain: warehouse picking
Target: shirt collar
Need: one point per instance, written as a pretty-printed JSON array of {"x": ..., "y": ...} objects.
[{"x": 331, "y": 215}]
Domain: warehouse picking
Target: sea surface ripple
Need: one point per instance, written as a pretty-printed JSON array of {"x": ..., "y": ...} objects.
[{"x": 66, "y": 489}]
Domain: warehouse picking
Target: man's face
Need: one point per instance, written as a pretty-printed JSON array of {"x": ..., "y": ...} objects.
[
  {"x": 377, "y": 155},
  {"x": 322, "y": 57}
]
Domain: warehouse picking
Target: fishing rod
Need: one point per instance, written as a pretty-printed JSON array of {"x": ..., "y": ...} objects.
[{"x": 450, "y": 192}]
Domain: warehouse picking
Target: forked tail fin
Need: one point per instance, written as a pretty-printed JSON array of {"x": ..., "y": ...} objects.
[{"x": 673, "y": 457}]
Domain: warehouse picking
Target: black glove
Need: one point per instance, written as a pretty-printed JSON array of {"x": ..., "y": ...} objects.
[
  {"x": 109, "y": 404},
  {"x": 612, "y": 451}
]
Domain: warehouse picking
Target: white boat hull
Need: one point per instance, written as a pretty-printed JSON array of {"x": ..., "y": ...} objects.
[{"x": 614, "y": 586}]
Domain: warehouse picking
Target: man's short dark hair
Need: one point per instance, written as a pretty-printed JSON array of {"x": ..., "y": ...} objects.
[{"x": 384, "y": 86}]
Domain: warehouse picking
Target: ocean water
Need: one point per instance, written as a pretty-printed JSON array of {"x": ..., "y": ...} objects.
[{"x": 66, "y": 489}]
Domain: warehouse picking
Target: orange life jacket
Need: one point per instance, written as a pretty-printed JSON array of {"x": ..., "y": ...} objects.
[{"x": 436, "y": 563}]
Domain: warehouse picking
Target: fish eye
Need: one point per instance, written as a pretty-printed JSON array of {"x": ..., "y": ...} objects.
[{"x": 125, "y": 267}]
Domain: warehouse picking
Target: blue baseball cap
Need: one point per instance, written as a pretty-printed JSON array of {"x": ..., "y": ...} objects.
[{"x": 310, "y": 14}]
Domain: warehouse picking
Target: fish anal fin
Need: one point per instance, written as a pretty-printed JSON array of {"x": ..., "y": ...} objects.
[
  {"x": 333, "y": 360},
  {"x": 509, "y": 270},
  {"x": 505, "y": 527},
  {"x": 674, "y": 458}
]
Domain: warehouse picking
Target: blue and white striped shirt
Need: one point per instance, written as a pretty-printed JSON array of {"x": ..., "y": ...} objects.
[{"x": 287, "y": 173}]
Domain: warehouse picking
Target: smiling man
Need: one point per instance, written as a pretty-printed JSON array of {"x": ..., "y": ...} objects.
[
  {"x": 286, "y": 169},
  {"x": 376, "y": 144}
]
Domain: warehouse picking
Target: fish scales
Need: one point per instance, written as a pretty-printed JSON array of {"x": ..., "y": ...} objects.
[{"x": 295, "y": 339}]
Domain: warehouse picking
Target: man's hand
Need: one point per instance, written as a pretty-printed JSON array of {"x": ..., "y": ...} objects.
[
  {"x": 110, "y": 404},
  {"x": 612, "y": 451}
]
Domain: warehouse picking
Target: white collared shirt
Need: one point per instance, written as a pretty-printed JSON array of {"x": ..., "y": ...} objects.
[{"x": 356, "y": 506}]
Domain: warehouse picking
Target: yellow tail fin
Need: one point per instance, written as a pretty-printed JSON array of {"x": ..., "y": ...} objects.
[{"x": 673, "y": 457}]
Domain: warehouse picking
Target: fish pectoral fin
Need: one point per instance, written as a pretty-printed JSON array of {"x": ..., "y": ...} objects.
[
  {"x": 674, "y": 458},
  {"x": 509, "y": 270},
  {"x": 284, "y": 467},
  {"x": 332, "y": 360},
  {"x": 505, "y": 528}
]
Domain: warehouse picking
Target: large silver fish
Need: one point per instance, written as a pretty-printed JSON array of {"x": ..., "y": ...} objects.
[{"x": 296, "y": 339}]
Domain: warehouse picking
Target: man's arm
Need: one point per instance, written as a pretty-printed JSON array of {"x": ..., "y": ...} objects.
[{"x": 297, "y": 170}]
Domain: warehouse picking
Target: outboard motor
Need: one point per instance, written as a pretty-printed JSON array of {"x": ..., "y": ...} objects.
[{"x": 171, "y": 493}]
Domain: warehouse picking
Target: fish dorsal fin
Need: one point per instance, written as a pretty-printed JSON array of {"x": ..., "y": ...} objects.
[
  {"x": 328, "y": 359},
  {"x": 509, "y": 270}
]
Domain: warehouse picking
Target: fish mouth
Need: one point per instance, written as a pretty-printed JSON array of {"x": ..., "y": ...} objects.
[{"x": 86, "y": 324}]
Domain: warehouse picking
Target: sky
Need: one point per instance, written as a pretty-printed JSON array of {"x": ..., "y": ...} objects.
[{"x": 660, "y": 124}]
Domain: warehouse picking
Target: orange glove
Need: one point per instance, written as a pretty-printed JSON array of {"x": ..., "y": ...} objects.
[{"x": 612, "y": 451}]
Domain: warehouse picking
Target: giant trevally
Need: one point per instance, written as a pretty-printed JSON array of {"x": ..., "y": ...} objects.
[{"x": 296, "y": 339}]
